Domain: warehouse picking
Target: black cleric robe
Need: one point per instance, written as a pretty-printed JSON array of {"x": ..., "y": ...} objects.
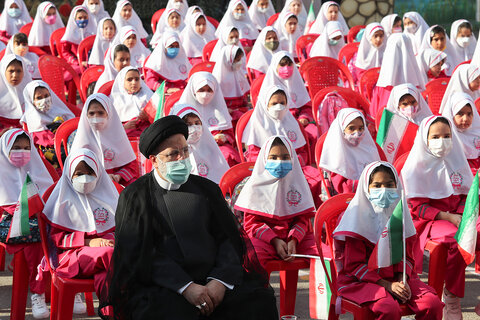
[{"x": 165, "y": 239}]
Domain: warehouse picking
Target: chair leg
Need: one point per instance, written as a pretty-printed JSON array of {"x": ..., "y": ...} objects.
[
  {"x": 89, "y": 302},
  {"x": 53, "y": 302},
  {"x": 47, "y": 279},
  {"x": 477, "y": 262},
  {"x": 65, "y": 304},
  {"x": 288, "y": 291},
  {"x": 19, "y": 287},
  {"x": 437, "y": 267},
  {"x": 2, "y": 258}
]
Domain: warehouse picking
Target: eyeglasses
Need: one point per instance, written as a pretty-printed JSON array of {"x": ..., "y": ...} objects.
[{"x": 177, "y": 154}]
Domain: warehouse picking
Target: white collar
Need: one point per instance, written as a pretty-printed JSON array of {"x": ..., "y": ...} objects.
[{"x": 164, "y": 184}]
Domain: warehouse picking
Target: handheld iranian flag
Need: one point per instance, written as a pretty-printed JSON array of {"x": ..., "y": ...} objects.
[
  {"x": 395, "y": 135},
  {"x": 319, "y": 291},
  {"x": 154, "y": 107},
  {"x": 29, "y": 203},
  {"x": 466, "y": 235},
  {"x": 310, "y": 16}
]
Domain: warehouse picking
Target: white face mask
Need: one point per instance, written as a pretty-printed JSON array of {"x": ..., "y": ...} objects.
[
  {"x": 43, "y": 105},
  {"x": 84, "y": 184},
  {"x": 204, "y": 97},
  {"x": 440, "y": 147},
  {"x": 411, "y": 28},
  {"x": 463, "y": 41},
  {"x": 262, "y": 10},
  {"x": 354, "y": 138},
  {"x": 277, "y": 111},
  {"x": 233, "y": 41},
  {"x": 177, "y": 5},
  {"x": 236, "y": 65},
  {"x": 97, "y": 123},
  {"x": 93, "y": 8},
  {"x": 238, "y": 16},
  {"x": 194, "y": 133}
]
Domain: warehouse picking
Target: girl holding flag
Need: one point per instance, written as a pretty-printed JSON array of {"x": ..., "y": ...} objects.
[{"x": 372, "y": 275}]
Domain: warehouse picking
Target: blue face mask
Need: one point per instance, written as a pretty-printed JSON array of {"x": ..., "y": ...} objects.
[
  {"x": 278, "y": 168},
  {"x": 333, "y": 42},
  {"x": 82, "y": 23},
  {"x": 177, "y": 172},
  {"x": 383, "y": 197},
  {"x": 14, "y": 12},
  {"x": 172, "y": 52}
]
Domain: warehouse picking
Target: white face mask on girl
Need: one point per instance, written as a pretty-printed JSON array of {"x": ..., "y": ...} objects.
[
  {"x": 93, "y": 8},
  {"x": 84, "y": 184},
  {"x": 204, "y": 97},
  {"x": 194, "y": 133},
  {"x": 232, "y": 41},
  {"x": 177, "y": 5},
  {"x": 97, "y": 123},
  {"x": 440, "y": 147},
  {"x": 277, "y": 111},
  {"x": 463, "y": 41},
  {"x": 354, "y": 138},
  {"x": 43, "y": 105},
  {"x": 411, "y": 28}
]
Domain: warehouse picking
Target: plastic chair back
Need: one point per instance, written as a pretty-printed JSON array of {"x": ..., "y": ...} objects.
[
  {"x": 347, "y": 52},
  {"x": 400, "y": 162},
  {"x": 106, "y": 88},
  {"x": 250, "y": 72},
  {"x": 156, "y": 16},
  {"x": 477, "y": 105},
  {"x": 368, "y": 82},
  {"x": 234, "y": 176},
  {"x": 2, "y": 54},
  {"x": 170, "y": 101},
  {"x": 352, "y": 33},
  {"x": 61, "y": 137},
  {"x": 83, "y": 49},
  {"x": 213, "y": 21},
  {"x": 207, "y": 50},
  {"x": 272, "y": 19},
  {"x": 26, "y": 28},
  {"x": 255, "y": 89},
  {"x": 302, "y": 43},
  {"x": 89, "y": 76},
  {"x": 434, "y": 92},
  {"x": 202, "y": 66},
  {"x": 55, "y": 45},
  {"x": 39, "y": 52}
]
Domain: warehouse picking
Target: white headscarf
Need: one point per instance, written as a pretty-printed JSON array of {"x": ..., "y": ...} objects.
[
  {"x": 138, "y": 53},
  {"x": 183, "y": 10},
  {"x": 41, "y": 31},
  {"x": 262, "y": 125},
  {"x": 321, "y": 21},
  {"x": 321, "y": 46},
  {"x": 110, "y": 72},
  {"x": 233, "y": 83},
  {"x": 365, "y": 221},
  {"x": 101, "y": 44},
  {"x": 470, "y": 137},
  {"x": 427, "y": 176},
  {"x": 339, "y": 156},
  {"x": 399, "y": 64},
  {"x": 127, "y": 105},
  {"x": 258, "y": 18},
  {"x": 13, "y": 177},
  {"x": 452, "y": 58},
  {"x": 205, "y": 155},
  {"x": 191, "y": 12},
  {"x": 193, "y": 42},
  {"x": 245, "y": 26},
  {"x": 422, "y": 27},
  {"x": 110, "y": 144},
  {"x": 387, "y": 24},
  {"x": 459, "y": 82},
  {"x": 287, "y": 40},
  {"x": 13, "y": 25},
  {"x": 133, "y": 21},
  {"x": 222, "y": 42},
  {"x": 171, "y": 69},
  {"x": 260, "y": 56},
  {"x": 163, "y": 26},
  {"x": 30, "y": 60},
  {"x": 302, "y": 16},
  {"x": 368, "y": 55},
  {"x": 423, "y": 110},
  {"x": 427, "y": 59},
  {"x": 215, "y": 114},
  {"x": 73, "y": 33},
  {"x": 463, "y": 54},
  {"x": 36, "y": 120},
  {"x": 11, "y": 98},
  {"x": 476, "y": 54},
  {"x": 295, "y": 86},
  {"x": 95, "y": 17},
  {"x": 71, "y": 210},
  {"x": 268, "y": 196}
]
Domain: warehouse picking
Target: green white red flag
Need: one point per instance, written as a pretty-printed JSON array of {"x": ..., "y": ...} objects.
[
  {"x": 154, "y": 107},
  {"x": 310, "y": 16},
  {"x": 319, "y": 289}
]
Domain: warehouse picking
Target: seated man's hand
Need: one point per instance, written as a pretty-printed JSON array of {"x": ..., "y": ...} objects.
[
  {"x": 198, "y": 296},
  {"x": 216, "y": 291}
]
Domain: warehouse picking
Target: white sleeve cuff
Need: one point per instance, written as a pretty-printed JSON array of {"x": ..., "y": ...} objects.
[
  {"x": 228, "y": 286},
  {"x": 180, "y": 291}
]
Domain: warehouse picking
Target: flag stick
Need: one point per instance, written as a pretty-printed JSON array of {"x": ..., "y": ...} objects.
[{"x": 404, "y": 243}]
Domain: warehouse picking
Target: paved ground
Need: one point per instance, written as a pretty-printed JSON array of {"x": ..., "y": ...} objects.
[{"x": 472, "y": 296}]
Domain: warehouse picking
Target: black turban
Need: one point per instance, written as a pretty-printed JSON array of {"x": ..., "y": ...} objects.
[{"x": 159, "y": 131}]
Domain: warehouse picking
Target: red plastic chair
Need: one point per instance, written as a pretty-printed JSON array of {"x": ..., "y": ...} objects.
[
  {"x": 156, "y": 16},
  {"x": 83, "y": 48},
  {"x": 352, "y": 33},
  {"x": 347, "y": 52},
  {"x": 234, "y": 176},
  {"x": 302, "y": 43},
  {"x": 477, "y": 104},
  {"x": 51, "y": 170},
  {"x": 250, "y": 72},
  {"x": 89, "y": 76},
  {"x": 272, "y": 19},
  {"x": 65, "y": 10},
  {"x": 202, "y": 66},
  {"x": 255, "y": 89},
  {"x": 55, "y": 45},
  {"x": 26, "y": 28},
  {"x": 2, "y": 53},
  {"x": 368, "y": 82},
  {"x": 106, "y": 88},
  {"x": 52, "y": 70},
  {"x": 170, "y": 101},
  {"x": 61, "y": 137},
  {"x": 434, "y": 92},
  {"x": 207, "y": 50},
  {"x": 2, "y": 257},
  {"x": 39, "y": 52},
  {"x": 19, "y": 286},
  {"x": 213, "y": 21}
]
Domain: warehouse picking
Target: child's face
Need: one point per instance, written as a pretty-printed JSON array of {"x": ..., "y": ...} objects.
[
  {"x": 277, "y": 98},
  {"x": 131, "y": 41},
  {"x": 20, "y": 49},
  {"x": 192, "y": 120},
  {"x": 287, "y": 63},
  {"x": 40, "y": 93},
  {"x": 126, "y": 11},
  {"x": 332, "y": 13},
  {"x": 436, "y": 69},
  {"x": 439, "y": 41},
  {"x": 407, "y": 101},
  {"x": 278, "y": 152},
  {"x": 122, "y": 59},
  {"x": 356, "y": 125},
  {"x": 271, "y": 36},
  {"x": 262, "y": 4},
  {"x": 52, "y": 11},
  {"x": 377, "y": 38},
  {"x": 174, "y": 20},
  {"x": 238, "y": 56},
  {"x": 174, "y": 45},
  {"x": 132, "y": 82},
  {"x": 92, "y": 2},
  {"x": 239, "y": 9},
  {"x": 464, "y": 33},
  {"x": 83, "y": 169},
  {"x": 200, "y": 25},
  {"x": 95, "y": 109},
  {"x": 382, "y": 179},
  {"x": 108, "y": 30},
  {"x": 81, "y": 15},
  {"x": 398, "y": 24},
  {"x": 14, "y": 74},
  {"x": 21, "y": 143},
  {"x": 14, "y": 6},
  {"x": 408, "y": 22},
  {"x": 291, "y": 25},
  {"x": 205, "y": 88},
  {"x": 463, "y": 119},
  {"x": 439, "y": 130},
  {"x": 295, "y": 7},
  {"x": 475, "y": 84},
  {"x": 233, "y": 37}
]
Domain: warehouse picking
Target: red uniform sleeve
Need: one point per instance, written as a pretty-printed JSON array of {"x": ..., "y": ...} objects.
[
  {"x": 421, "y": 208},
  {"x": 229, "y": 134},
  {"x": 152, "y": 79},
  {"x": 256, "y": 227},
  {"x": 301, "y": 225},
  {"x": 128, "y": 172},
  {"x": 67, "y": 240},
  {"x": 69, "y": 51},
  {"x": 356, "y": 260},
  {"x": 252, "y": 153},
  {"x": 342, "y": 184},
  {"x": 4, "y": 36},
  {"x": 306, "y": 112},
  {"x": 302, "y": 154},
  {"x": 257, "y": 74}
]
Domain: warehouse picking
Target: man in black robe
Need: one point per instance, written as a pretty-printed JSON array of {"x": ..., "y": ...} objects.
[{"x": 178, "y": 251}]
